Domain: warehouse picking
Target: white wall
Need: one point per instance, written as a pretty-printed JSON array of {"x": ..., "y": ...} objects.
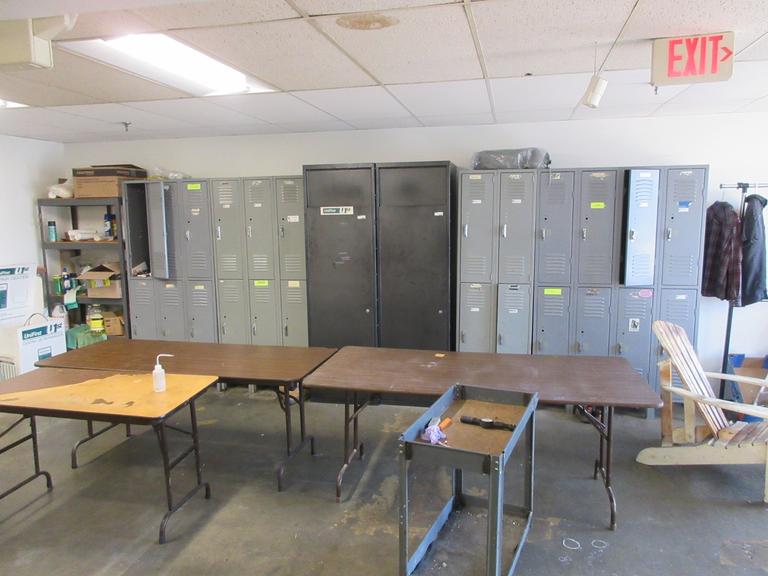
[
  {"x": 27, "y": 168},
  {"x": 733, "y": 145}
]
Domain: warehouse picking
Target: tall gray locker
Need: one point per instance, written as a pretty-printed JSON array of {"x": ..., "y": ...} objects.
[
  {"x": 517, "y": 211},
  {"x": 683, "y": 213},
  {"x": 228, "y": 222},
  {"x": 234, "y": 311},
  {"x": 513, "y": 319},
  {"x": 201, "y": 311},
  {"x": 595, "y": 227},
  {"x": 260, "y": 228},
  {"x": 141, "y": 302},
  {"x": 293, "y": 303},
  {"x": 641, "y": 207},
  {"x": 476, "y": 237},
  {"x": 158, "y": 214},
  {"x": 171, "y": 317},
  {"x": 265, "y": 312},
  {"x": 554, "y": 228},
  {"x": 633, "y": 330},
  {"x": 198, "y": 257},
  {"x": 592, "y": 321},
  {"x": 476, "y": 317},
  {"x": 290, "y": 216},
  {"x": 552, "y": 320}
]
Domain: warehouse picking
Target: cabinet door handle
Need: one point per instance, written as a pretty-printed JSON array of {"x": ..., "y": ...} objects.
[
  {"x": 619, "y": 348},
  {"x": 192, "y": 332},
  {"x": 466, "y": 230},
  {"x": 253, "y": 328},
  {"x": 579, "y": 346},
  {"x": 632, "y": 235},
  {"x": 224, "y": 329},
  {"x": 500, "y": 340},
  {"x": 583, "y": 233},
  {"x": 285, "y": 330},
  {"x": 504, "y": 231},
  {"x": 188, "y": 235},
  {"x": 218, "y": 232},
  {"x": 282, "y": 231},
  {"x": 250, "y": 232},
  {"x": 461, "y": 336},
  {"x": 543, "y": 233},
  {"x": 669, "y": 234}
]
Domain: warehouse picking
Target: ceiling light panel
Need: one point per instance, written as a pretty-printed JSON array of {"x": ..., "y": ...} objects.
[
  {"x": 290, "y": 55},
  {"x": 424, "y": 45},
  {"x": 367, "y": 102}
]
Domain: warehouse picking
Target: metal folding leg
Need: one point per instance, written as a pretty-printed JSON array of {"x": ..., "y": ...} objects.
[
  {"x": 603, "y": 423},
  {"x": 35, "y": 455},
  {"x": 356, "y": 449},
  {"x": 169, "y": 464},
  {"x": 284, "y": 397},
  {"x": 92, "y": 435}
]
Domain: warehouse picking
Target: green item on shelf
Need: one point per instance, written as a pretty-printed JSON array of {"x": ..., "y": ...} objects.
[{"x": 81, "y": 336}]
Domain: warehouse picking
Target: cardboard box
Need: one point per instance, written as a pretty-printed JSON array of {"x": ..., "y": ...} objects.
[
  {"x": 98, "y": 186},
  {"x": 753, "y": 368},
  {"x": 122, "y": 170},
  {"x": 103, "y": 281},
  {"x": 113, "y": 324}
]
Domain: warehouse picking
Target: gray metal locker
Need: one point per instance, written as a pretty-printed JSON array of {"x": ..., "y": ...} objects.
[
  {"x": 595, "y": 228},
  {"x": 476, "y": 238},
  {"x": 513, "y": 319},
  {"x": 679, "y": 306},
  {"x": 290, "y": 223},
  {"x": 141, "y": 299},
  {"x": 641, "y": 206},
  {"x": 554, "y": 228},
  {"x": 228, "y": 226},
  {"x": 681, "y": 240},
  {"x": 157, "y": 227},
  {"x": 516, "y": 227},
  {"x": 171, "y": 319},
  {"x": 593, "y": 321},
  {"x": 198, "y": 257},
  {"x": 234, "y": 312},
  {"x": 201, "y": 311},
  {"x": 293, "y": 300},
  {"x": 633, "y": 332},
  {"x": 552, "y": 319},
  {"x": 265, "y": 312},
  {"x": 476, "y": 318},
  {"x": 260, "y": 228}
]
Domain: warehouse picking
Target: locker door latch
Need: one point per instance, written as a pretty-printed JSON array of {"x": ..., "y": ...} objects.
[
  {"x": 583, "y": 233},
  {"x": 218, "y": 232},
  {"x": 188, "y": 235},
  {"x": 504, "y": 231},
  {"x": 461, "y": 336},
  {"x": 543, "y": 233},
  {"x": 285, "y": 330},
  {"x": 500, "y": 339},
  {"x": 253, "y": 328},
  {"x": 619, "y": 348},
  {"x": 250, "y": 232},
  {"x": 632, "y": 235},
  {"x": 282, "y": 231},
  {"x": 669, "y": 234},
  {"x": 579, "y": 347},
  {"x": 466, "y": 230}
]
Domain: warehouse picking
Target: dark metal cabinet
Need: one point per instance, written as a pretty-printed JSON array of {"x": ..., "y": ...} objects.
[
  {"x": 293, "y": 303},
  {"x": 260, "y": 228},
  {"x": 201, "y": 311},
  {"x": 414, "y": 255},
  {"x": 593, "y": 321},
  {"x": 341, "y": 263},
  {"x": 641, "y": 206},
  {"x": 516, "y": 227},
  {"x": 265, "y": 312},
  {"x": 171, "y": 316},
  {"x": 552, "y": 320},
  {"x": 476, "y": 317},
  {"x": 228, "y": 223},
  {"x": 554, "y": 228},
  {"x": 513, "y": 319},
  {"x": 633, "y": 331},
  {"x": 141, "y": 296},
  {"x": 234, "y": 312},
  {"x": 476, "y": 235},
  {"x": 198, "y": 256},
  {"x": 594, "y": 230},
  {"x": 290, "y": 216},
  {"x": 681, "y": 236}
]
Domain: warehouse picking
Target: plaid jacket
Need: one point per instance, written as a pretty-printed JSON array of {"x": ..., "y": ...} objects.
[{"x": 722, "y": 254}]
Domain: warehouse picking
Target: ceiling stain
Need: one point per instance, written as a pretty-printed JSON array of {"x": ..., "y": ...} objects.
[{"x": 366, "y": 21}]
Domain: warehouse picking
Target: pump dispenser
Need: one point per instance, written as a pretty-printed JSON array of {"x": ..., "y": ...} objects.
[{"x": 158, "y": 374}]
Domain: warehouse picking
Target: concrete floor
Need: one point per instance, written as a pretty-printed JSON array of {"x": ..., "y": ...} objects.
[{"x": 102, "y": 519}]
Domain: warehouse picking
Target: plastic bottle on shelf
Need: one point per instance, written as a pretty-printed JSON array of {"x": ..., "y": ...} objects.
[
  {"x": 66, "y": 280},
  {"x": 107, "y": 228},
  {"x": 60, "y": 313},
  {"x": 95, "y": 319},
  {"x": 53, "y": 236}
]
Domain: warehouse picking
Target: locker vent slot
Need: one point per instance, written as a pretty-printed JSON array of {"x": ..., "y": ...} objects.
[
  {"x": 260, "y": 263},
  {"x": 172, "y": 298},
  {"x": 257, "y": 194},
  {"x": 294, "y": 295},
  {"x": 596, "y": 264},
  {"x": 199, "y": 299},
  {"x": 636, "y": 309},
  {"x": 684, "y": 190},
  {"x": 556, "y": 264},
  {"x": 199, "y": 260},
  {"x": 645, "y": 190},
  {"x": 514, "y": 299},
  {"x": 595, "y": 307},
  {"x": 476, "y": 265},
  {"x": 142, "y": 295},
  {"x": 261, "y": 295},
  {"x": 475, "y": 298},
  {"x": 682, "y": 264},
  {"x": 554, "y": 306},
  {"x": 226, "y": 193},
  {"x": 474, "y": 189},
  {"x": 230, "y": 293},
  {"x": 600, "y": 189},
  {"x": 514, "y": 189},
  {"x": 641, "y": 265},
  {"x": 196, "y": 199},
  {"x": 293, "y": 264},
  {"x": 289, "y": 193},
  {"x": 554, "y": 194},
  {"x": 229, "y": 263},
  {"x": 678, "y": 312},
  {"x": 515, "y": 266}
]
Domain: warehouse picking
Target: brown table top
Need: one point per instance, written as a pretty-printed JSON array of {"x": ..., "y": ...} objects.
[
  {"x": 96, "y": 394},
  {"x": 227, "y": 361},
  {"x": 599, "y": 381}
]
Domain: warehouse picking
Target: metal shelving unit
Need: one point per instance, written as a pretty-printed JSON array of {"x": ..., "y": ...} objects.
[{"x": 112, "y": 206}]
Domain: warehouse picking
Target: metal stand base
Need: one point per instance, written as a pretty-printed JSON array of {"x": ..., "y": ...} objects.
[
  {"x": 286, "y": 401},
  {"x": 603, "y": 423},
  {"x": 35, "y": 455},
  {"x": 356, "y": 450},
  {"x": 92, "y": 435},
  {"x": 169, "y": 464}
]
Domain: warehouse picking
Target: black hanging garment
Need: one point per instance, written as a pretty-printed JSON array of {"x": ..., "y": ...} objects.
[
  {"x": 721, "y": 276},
  {"x": 753, "y": 273}
]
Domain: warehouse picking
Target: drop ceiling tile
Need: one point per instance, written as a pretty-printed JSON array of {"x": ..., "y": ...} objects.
[
  {"x": 444, "y": 98},
  {"x": 95, "y": 80},
  {"x": 49, "y": 118},
  {"x": 215, "y": 13},
  {"x": 196, "y": 111},
  {"x": 632, "y": 87},
  {"x": 326, "y": 126},
  {"x": 318, "y": 7},
  {"x": 675, "y": 108},
  {"x": 377, "y": 123},
  {"x": 757, "y": 51},
  {"x": 544, "y": 115},
  {"x": 290, "y": 54},
  {"x": 538, "y": 92},
  {"x": 33, "y": 94},
  {"x": 760, "y": 105},
  {"x": 118, "y": 113},
  {"x": 106, "y": 25},
  {"x": 428, "y": 44},
  {"x": 457, "y": 119},
  {"x": 355, "y": 103},
  {"x": 635, "y": 110},
  {"x": 546, "y": 37},
  {"x": 275, "y": 108}
]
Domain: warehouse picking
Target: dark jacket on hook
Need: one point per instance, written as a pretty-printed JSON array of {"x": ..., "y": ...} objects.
[
  {"x": 721, "y": 277},
  {"x": 753, "y": 277}
]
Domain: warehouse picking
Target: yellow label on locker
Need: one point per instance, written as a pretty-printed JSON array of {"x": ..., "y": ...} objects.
[
  {"x": 194, "y": 186},
  {"x": 553, "y": 291},
  {"x": 199, "y": 286},
  {"x": 597, "y": 205},
  {"x": 261, "y": 282},
  {"x": 294, "y": 284}
]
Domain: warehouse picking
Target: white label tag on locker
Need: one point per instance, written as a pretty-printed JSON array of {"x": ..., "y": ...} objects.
[
  {"x": 517, "y": 201},
  {"x": 438, "y": 213},
  {"x": 288, "y": 182},
  {"x": 515, "y": 176},
  {"x": 361, "y": 217},
  {"x": 195, "y": 211},
  {"x": 681, "y": 297},
  {"x": 293, "y": 218},
  {"x": 475, "y": 176},
  {"x": 294, "y": 284},
  {"x": 226, "y": 205},
  {"x": 477, "y": 201},
  {"x": 257, "y": 205},
  {"x": 474, "y": 309},
  {"x": 513, "y": 310}
]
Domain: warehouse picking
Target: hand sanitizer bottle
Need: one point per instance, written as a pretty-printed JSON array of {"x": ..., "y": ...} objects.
[{"x": 158, "y": 374}]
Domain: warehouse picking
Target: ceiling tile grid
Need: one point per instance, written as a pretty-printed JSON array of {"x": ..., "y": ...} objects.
[{"x": 370, "y": 102}]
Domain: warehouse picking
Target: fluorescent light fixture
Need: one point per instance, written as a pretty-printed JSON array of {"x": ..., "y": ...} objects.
[
  {"x": 595, "y": 91},
  {"x": 9, "y": 104},
  {"x": 165, "y": 60}
]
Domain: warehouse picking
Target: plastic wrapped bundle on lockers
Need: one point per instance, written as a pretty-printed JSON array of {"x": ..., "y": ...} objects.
[{"x": 512, "y": 159}]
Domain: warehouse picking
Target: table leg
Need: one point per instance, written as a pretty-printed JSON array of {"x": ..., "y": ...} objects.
[
  {"x": 169, "y": 464},
  {"x": 35, "y": 454},
  {"x": 356, "y": 449},
  {"x": 92, "y": 435},
  {"x": 284, "y": 398},
  {"x": 603, "y": 423}
]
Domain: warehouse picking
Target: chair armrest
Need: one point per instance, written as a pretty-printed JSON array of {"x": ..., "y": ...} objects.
[
  {"x": 759, "y": 382},
  {"x": 749, "y": 409}
]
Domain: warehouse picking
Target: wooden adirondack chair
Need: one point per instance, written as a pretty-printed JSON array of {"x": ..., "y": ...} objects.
[{"x": 718, "y": 441}]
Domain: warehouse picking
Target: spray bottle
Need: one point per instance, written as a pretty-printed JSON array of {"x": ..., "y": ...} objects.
[{"x": 158, "y": 374}]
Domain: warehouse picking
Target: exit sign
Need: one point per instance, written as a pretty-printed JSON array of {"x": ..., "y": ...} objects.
[{"x": 692, "y": 59}]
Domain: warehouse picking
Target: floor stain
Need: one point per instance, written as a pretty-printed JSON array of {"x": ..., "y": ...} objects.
[{"x": 753, "y": 554}]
